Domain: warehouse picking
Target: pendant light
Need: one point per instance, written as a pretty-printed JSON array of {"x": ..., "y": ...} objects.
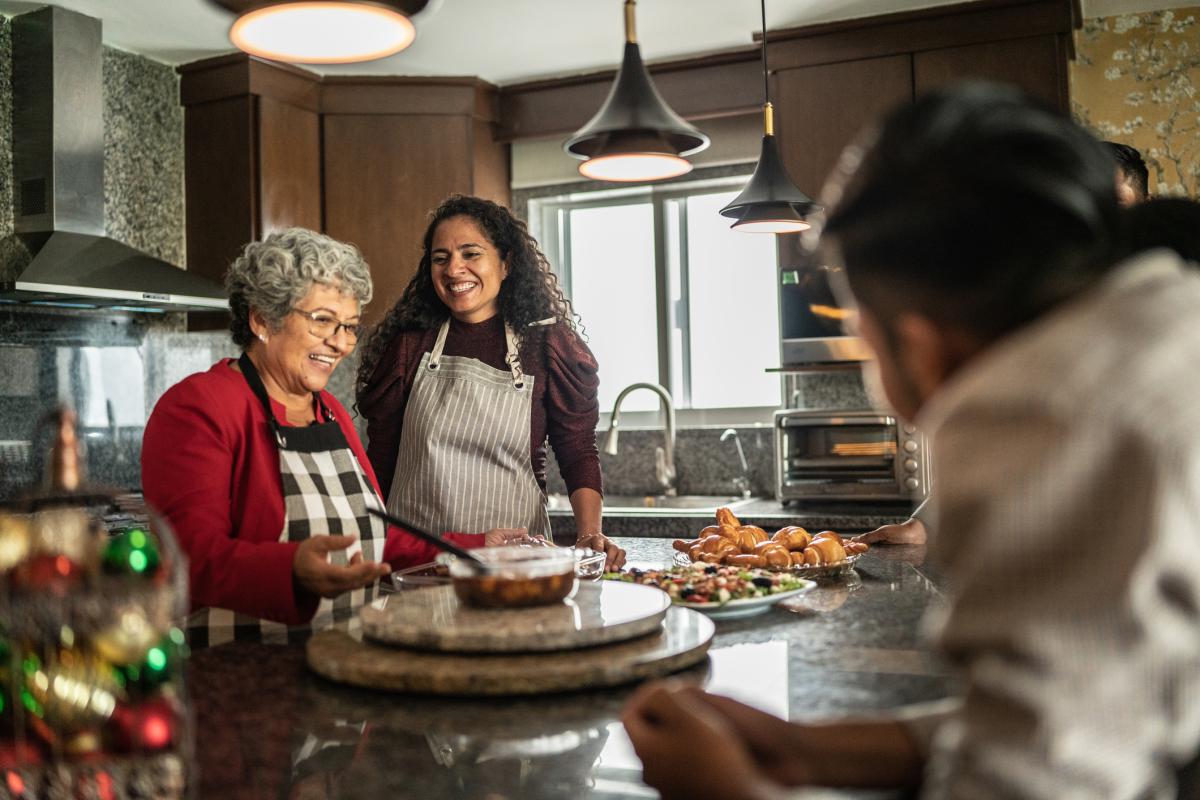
[
  {"x": 635, "y": 136},
  {"x": 770, "y": 203},
  {"x": 322, "y": 31}
]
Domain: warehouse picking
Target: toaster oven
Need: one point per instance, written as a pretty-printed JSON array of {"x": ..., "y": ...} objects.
[{"x": 849, "y": 455}]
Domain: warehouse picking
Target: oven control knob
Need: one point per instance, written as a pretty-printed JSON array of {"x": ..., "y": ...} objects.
[
  {"x": 910, "y": 446},
  {"x": 909, "y": 429},
  {"x": 911, "y": 483},
  {"x": 910, "y": 464}
]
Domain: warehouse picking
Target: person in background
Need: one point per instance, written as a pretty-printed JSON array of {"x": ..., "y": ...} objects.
[
  {"x": 259, "y": 470},
  {"x": 470, "y": 371},
  {"x": 1170, "y": 222},
  {"x": 1133, "y": 178},
  {"x": 1056, "y": 383}
]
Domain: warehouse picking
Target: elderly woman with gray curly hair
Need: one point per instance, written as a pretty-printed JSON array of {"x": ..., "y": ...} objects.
[{"x": 260, "y": 470}]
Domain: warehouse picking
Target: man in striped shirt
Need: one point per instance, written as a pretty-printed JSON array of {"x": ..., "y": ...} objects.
[{"x": 1057, "y": 382}]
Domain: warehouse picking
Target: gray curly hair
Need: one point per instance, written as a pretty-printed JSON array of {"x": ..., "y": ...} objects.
[{"x": 276, "y": 273}]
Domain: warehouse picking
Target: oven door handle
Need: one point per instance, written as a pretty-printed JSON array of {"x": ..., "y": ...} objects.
[{"x": 798, "y": 422}]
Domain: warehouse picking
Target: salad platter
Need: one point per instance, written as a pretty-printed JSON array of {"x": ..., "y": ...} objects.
[{"x": 720, "y": 592}]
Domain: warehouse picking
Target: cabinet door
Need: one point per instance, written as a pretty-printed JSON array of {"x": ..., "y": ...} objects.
[
  {"x": 1037, "y": 64},
  {"x": 289, "y": 167},
  {"x": 820, "y": 109},
  {"x": 384, "y": 173}
]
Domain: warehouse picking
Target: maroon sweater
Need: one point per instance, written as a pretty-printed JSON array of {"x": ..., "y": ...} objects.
[{"x": 564, "y": 395}]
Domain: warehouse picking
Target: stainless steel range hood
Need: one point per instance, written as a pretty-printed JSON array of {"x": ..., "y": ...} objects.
[{"x": 58, "y": 171}]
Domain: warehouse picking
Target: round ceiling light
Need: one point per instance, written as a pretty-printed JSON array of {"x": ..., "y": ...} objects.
[{"x": 321, "y": 31}]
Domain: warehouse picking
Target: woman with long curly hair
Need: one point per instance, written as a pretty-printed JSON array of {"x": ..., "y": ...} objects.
[{"x": 470, "y": 372}]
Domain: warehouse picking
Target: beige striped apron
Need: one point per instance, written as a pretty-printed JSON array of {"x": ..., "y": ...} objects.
[{"x": 464, "y": 459}]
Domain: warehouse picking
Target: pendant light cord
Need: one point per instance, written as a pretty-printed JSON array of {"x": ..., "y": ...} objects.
[{"x": 766, "y": 87}]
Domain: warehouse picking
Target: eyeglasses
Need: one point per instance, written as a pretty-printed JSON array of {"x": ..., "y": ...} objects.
[{"x": 324, "y": 325}]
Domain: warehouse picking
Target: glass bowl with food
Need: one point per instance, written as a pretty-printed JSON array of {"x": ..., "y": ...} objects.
[{"x": 515, "y": 577}]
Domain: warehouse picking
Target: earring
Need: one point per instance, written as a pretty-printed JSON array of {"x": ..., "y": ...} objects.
[{"x": 262, "y": 337}]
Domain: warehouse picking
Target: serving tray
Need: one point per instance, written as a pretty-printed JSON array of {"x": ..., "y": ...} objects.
[
  {"x": 682, "y": 641},
  {"x": 596, "y": 613}
]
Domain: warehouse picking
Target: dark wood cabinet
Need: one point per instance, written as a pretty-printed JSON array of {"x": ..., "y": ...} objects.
[
  {"x": 1037, "y": 64},
  {"x": 820, "y": 109},
  {"x": 364, "y": 159}
]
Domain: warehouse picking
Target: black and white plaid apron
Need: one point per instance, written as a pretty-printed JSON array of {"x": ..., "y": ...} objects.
[
  {"x": 464, "y": 462},
  {"x": 325, "y": 493}
]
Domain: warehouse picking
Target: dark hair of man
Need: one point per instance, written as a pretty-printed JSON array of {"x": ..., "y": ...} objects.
[
  {"x": 1133, "y": 168},
  {"x": 976, "y": 207},
  {"x": 1171, "y": 222}
]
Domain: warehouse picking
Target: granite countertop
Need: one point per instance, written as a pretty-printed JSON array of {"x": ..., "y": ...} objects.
[{"x": 266, "y": 727}]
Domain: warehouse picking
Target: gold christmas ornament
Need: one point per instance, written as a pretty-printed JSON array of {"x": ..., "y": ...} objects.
[{"x": 15, "y": 541}]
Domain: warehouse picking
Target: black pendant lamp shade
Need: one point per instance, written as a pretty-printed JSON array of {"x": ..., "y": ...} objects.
[
  {"x": 771, "y": 201},
  {"x": 322, "y": 31},
  {"x": 635, "y": 136}
]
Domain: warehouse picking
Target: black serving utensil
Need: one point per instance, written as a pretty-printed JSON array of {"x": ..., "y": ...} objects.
[{"x": 479, "y": 564}]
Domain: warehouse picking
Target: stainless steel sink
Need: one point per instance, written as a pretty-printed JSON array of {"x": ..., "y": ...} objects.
[{"x": 687, "y": 505}]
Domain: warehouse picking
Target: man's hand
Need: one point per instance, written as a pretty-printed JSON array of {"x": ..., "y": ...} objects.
[
  {"x": 314, "y": 573},
  {"x": 686, "y": 750},
  {"x": 614, "y": 556},
  {"x": 908, "y": 532}
]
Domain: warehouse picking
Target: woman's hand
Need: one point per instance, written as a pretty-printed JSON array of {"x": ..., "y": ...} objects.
[
  {"x": 614, "y": 557},
  {"x": 686, "y": 749},
  {"x": 314, "y": 573},
  {"x": 498, "y": 537},
  {"x": 908, "y": 532}
]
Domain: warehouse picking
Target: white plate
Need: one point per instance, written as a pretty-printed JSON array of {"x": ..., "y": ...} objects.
[{"x": 746, "y": 607}]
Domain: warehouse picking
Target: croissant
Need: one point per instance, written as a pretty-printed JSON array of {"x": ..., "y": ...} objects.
[
  {"x": 829, "y": 535},
  {"x": 726, "y": 517},
  {"x": 709, "y": 543},
  {"x": 759, "y": 534},
  {"x": 709, "y": 531},
  {"x": 854, "y": 548},
  {"x": 778, "y": 557},
  {"x": 684, "y": 545},
  {"x": 727, "y": 547},
  {"x": 792, "y": 537},
  {"x": 746, "y": 540},
  {"x": 828, "y": 551},
  {"x": 797, "y": 558},
  {"x": 747, "y": 560}
]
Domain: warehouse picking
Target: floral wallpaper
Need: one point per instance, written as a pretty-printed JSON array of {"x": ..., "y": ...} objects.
[{"x": 1135, "y": 79}]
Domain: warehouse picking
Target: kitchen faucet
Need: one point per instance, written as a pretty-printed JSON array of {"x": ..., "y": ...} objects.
[
  {"x": 664, "y": 458},
  {"x": 742, "y": 482}
]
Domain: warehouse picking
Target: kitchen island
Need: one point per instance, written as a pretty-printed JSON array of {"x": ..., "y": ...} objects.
[{"x": 266, "y": 727}]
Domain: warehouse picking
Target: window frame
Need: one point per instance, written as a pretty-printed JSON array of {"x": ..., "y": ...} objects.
[{"x": 549, "y": 218}]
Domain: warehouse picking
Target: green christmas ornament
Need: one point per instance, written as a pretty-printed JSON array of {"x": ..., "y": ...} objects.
[
  {"x": 160, "y": 664},
  {"x": 132, "y": 552}
]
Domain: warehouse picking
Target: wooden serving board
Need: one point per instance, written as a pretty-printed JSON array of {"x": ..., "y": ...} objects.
[
  {"x": 682, "y": 641},
  {"x": 597, "y": 613}
]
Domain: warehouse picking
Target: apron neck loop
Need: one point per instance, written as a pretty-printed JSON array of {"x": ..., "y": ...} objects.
[
  {"x": 513, "y": 357},
  {"x": 435, "y": 356},
  {"x": 250, "y": 372}
]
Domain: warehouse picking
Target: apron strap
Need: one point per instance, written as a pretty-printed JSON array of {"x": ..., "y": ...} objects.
[
  {"x": 513, "y": 357},
  {"x": 435, "y": 355},
  {"x": 250, "y": 372}
]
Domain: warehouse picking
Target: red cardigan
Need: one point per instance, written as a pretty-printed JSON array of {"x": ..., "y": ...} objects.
[{"x": 211, "y": 467}]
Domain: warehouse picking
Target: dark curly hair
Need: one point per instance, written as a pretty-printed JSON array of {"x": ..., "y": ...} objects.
[{"x": 530, "y": 293}]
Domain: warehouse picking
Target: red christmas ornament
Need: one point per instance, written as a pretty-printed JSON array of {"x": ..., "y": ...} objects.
[
  {"x": 57, "y": 575},
  {"x": 151, "y": 725}
]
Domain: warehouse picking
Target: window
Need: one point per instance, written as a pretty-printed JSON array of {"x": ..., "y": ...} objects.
[{"x": 669, "y": 294}]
